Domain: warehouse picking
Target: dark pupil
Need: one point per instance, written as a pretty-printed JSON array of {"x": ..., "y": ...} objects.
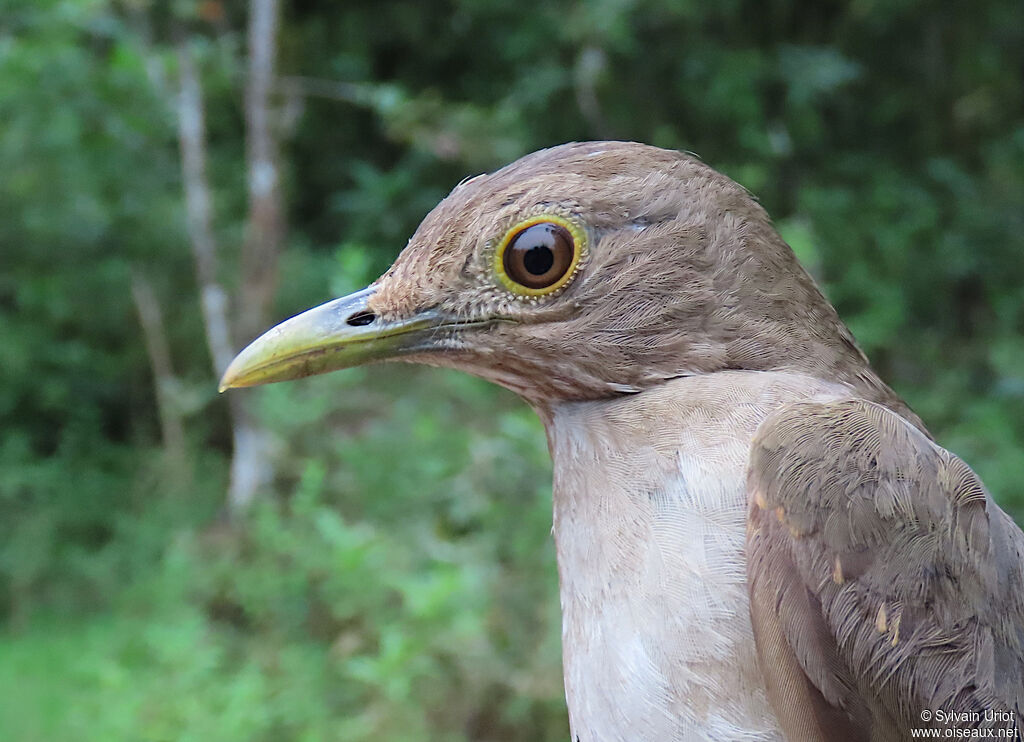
[{"x": 538, "y": 260}]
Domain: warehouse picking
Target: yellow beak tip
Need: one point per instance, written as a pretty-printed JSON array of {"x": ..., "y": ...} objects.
[{"x": 231, "y": 380}]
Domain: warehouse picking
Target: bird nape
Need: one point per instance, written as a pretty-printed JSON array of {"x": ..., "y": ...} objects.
[{"x": 756, "y": 538}]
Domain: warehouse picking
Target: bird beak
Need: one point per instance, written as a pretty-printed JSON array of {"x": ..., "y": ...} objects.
[{"x": 339, "y": 334}]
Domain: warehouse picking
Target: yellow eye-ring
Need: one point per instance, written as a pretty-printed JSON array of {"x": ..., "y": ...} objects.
[{"x": 539, "y": 256}]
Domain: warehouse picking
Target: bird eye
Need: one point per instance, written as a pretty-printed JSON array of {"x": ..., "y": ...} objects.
[{"x": 538, "y": 257}]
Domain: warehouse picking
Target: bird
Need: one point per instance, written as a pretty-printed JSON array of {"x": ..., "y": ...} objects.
[{"x": 756, "y": 537}]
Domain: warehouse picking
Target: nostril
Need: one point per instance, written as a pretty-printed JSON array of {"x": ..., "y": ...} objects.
[{"x": 361, "y": 319}]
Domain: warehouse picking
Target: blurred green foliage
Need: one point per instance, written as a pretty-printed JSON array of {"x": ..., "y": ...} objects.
[{"x": 398, "y": 581}]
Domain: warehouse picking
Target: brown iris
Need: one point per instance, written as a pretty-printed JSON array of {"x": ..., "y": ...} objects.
[{"x": 539, "y": 256}]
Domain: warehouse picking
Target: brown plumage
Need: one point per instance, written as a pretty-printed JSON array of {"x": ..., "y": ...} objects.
[
  {"x": 879, "y": 563},
  {"x": 756, "y": 537}
]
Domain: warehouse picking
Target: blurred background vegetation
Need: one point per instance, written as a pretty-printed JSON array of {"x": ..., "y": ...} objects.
[{"x": 386, "y": 572}]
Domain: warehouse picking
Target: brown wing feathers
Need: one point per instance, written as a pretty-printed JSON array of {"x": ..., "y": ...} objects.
[{"x": 882, "y": 573}]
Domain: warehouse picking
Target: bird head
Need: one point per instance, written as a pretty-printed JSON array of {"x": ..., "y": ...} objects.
[{"x": 579, "y": 272}]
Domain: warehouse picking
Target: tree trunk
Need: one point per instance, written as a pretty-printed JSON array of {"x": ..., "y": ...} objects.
[
  {"x": 198, "y": 207},
  {"x": 151, "y": 320},
  {"x": 250, "y": 466},
  {"x": 266, "y": 222}
]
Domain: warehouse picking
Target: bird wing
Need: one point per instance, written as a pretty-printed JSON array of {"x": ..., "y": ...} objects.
[{"x": 886, "y": 585}]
